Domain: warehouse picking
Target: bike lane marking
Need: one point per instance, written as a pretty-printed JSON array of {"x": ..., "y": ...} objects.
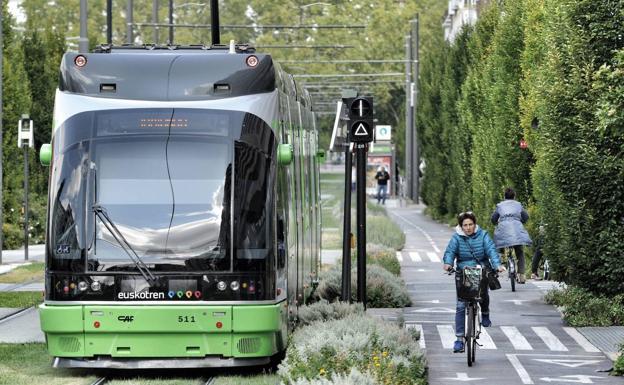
[
  {"x": 485, "y": 340},
  {"x": 463, "y": 377},
  {"x": 564, "y": 361},
  {"x": 414, "y": 256},
  {"x": 421, "y": 340},
  {"x": 549, "y": 339},
  {"x": 433, "y": 257},
  {"x": 581, "y": 340},
  {"x": 399, "y": 257},
  {"x": 427, "y": 236},
  {"x": 447, "y": 336},
  {"x": 516, "y": 338}
]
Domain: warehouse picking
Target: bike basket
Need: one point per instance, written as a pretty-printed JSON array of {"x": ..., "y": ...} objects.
[{"x": 468, "y": 283}]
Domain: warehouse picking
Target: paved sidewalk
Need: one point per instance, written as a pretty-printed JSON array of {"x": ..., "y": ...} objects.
[{"x": 528, "y": 342}]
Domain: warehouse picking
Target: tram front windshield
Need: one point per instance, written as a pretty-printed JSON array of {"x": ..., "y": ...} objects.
[{"x": 169, "y": 181}]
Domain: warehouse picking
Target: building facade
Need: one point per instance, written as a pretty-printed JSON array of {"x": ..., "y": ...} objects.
[{"x": 460, "y": 13}]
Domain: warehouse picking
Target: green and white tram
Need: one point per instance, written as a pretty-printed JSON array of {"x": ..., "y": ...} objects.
[{"x": 184, "y": 219}]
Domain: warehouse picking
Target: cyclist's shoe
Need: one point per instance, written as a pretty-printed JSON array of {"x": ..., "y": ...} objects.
[
  {"x": 535, "y": 277},
  {"x": 458, "y": 347},
  {"x": 521, "y": 278},
  {"x": 485, "y": 320}
]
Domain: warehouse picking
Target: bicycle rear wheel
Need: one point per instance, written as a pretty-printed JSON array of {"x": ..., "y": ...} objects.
[
  {"x": 470, "y": 335},
  {"x": 512, "y": 272}
]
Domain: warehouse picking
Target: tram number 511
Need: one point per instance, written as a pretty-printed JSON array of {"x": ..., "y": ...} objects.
[{"x": 186, "y": 318}]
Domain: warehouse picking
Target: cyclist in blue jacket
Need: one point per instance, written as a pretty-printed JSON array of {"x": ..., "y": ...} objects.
[{"x": 468, "y": 246}]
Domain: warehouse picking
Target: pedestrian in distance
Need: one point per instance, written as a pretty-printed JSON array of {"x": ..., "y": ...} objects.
[
  {"x": 509, "y": 218},
  {"x": 470, "y": 245},
  {"x": 382, "y": 178}
]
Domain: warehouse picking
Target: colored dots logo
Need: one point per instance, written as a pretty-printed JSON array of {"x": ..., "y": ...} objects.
[
  {"x": 180, "y": 294},
  {"x": 171, "y": 294},
  {"x": 198, "y": 294},
  {"x": 189, "y": 294}
]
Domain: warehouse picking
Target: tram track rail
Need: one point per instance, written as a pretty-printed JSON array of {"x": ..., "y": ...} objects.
[
  {"x": 101, "y": 381},
  {"x": 15, "y": 314}
]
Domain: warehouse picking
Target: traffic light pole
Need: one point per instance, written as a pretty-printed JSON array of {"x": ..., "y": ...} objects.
[
  {"x": 361, "y": 149},
  {"x": 346, "y": 229},
  {"x": 25, "y": 146}
]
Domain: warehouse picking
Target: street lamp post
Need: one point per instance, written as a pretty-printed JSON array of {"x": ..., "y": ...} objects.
[{"x": 25, "y": 140}]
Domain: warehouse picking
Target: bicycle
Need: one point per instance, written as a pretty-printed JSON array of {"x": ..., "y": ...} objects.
[
  {"x": 546, "y": 271},
  {"x": 472, "y": 297},
  {"x": 510, "y": 257}
]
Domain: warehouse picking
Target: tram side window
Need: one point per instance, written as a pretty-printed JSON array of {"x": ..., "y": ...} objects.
[
  {"x": 66, "y": 224},
  {"x": 254, "y": 209}
]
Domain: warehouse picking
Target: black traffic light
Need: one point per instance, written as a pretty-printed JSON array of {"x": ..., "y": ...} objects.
[{"x": 360, "y": 123}]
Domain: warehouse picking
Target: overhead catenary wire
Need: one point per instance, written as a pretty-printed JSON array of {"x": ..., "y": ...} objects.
[
  {"x": 240, "y": 26},
  {"x": 347, "y": 75}
]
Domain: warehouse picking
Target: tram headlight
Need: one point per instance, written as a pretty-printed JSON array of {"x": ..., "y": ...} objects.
[
  {"x": 82, "y": 286},
  {"x": 221, "y": 285},
  {"x": 234, "y": 285},
  {"x": 96, "y": 286}
]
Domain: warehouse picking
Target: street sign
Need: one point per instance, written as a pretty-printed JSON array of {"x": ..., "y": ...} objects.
[{"x": 383, "y": 132}]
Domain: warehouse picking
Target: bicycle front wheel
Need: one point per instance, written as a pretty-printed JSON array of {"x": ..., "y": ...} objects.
[{"x": 470, "y": 334}]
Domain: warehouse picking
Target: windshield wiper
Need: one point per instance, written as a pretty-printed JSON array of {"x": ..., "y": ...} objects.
[{"x": 121, "y": 240}]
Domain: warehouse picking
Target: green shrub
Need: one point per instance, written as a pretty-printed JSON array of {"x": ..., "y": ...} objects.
[
  {"x": 380, "y": 351},
  {"x": 618, "y": 366},
  {"x": 580, "y": 307},
  {"x": 383, "y": 289},
  {"x": 380, "y": 255},
  {"x": 353, "y": 378},
  {"x": 13, "y": 236},
  {"x": 325, "y": 311},
  {"x": 383, "y": 231}
]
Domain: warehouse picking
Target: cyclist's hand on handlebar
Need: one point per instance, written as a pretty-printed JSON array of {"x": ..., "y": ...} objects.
[
  {"x": 446, "y": 267},
  {"x": 501, "y": 269}
]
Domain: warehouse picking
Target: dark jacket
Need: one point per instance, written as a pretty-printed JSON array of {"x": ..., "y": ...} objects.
[
  {"x": 462, "y": 247},
  {"x": 382, "y": 177}
]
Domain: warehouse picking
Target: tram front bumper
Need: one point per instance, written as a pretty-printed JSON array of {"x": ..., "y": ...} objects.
[{"x": 208, "y": 333}]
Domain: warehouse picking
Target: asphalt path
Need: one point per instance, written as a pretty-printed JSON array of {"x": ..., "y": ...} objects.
[{"x": 527, "y": 343}]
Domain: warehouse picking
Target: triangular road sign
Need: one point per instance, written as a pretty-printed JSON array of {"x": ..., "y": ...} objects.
[{"x": 360, "y": 130}]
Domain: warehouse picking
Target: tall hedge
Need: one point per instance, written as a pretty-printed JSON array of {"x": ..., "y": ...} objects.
[{"x": 550, "y": 72}]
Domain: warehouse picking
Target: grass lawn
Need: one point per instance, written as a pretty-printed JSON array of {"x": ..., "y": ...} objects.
[
  {"x": 380, "y": 228},
  {"x": 20, "y": 298},
  {"x": 32, "y": 272},
  {"x": 29, "y": 364}
]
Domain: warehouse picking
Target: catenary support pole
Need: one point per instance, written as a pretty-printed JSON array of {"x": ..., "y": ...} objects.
[
  {"x": 25, "y": 146},
  {"x": 109, "y": 22},
  {"x": 214, "y": 21},
  {"x": 83, "y": 41},
  {"x": 155, "y": 20},
  {"x": 170, "y": 21},
  {"x": 408, "y": 123},
  {"x": 415, "y": 149},
  {"x": 361, "y": 222},
  {"x": 130, "y": 20},
  {"x": 346, "y": 228}
]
